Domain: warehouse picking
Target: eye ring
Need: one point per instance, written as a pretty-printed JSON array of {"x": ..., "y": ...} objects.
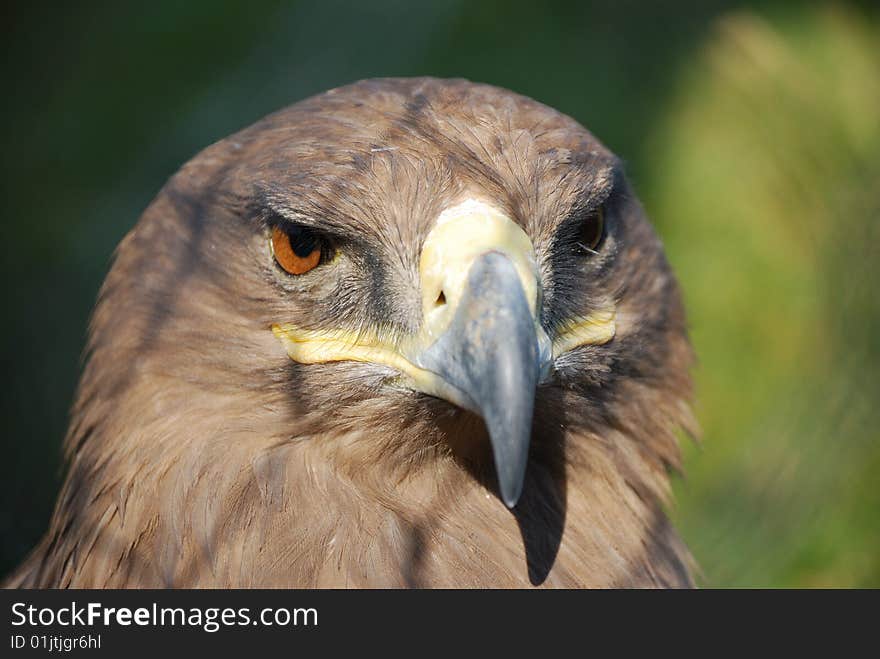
[
  {"x": 297, "y": 250},
  {"x": 592, "y": 231}
]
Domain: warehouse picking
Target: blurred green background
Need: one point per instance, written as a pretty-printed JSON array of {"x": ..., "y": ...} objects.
[{"x": 750, "y": 130}]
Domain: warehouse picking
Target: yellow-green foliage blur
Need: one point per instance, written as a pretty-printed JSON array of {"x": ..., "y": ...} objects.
[{"x": 767, "y": 178}]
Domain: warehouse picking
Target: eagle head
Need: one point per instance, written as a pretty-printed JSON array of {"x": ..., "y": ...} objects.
[{"x": 405, "y": 332}]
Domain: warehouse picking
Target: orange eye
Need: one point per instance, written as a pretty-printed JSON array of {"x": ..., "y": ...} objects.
[{"x": 297, "y": 250}]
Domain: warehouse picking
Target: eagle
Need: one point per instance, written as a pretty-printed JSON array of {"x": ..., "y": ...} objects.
[{"x": 404, "y": 333}]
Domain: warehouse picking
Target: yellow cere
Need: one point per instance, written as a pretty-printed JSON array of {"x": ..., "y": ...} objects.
[{"x": 461, "y": 234}]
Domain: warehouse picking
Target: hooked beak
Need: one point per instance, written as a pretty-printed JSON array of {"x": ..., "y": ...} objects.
[{"x": 490, "y": 357}]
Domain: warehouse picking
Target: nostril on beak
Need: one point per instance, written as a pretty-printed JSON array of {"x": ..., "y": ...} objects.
[{"x": 441, "y": 299}]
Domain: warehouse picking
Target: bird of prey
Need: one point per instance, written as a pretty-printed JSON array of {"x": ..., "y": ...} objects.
[{"x": 407, "y": 332}]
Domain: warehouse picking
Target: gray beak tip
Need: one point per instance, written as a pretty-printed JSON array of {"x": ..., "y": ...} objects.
[
  {"x": 511, "y": 498},
  {"x": 511, "y": 452},
  {"x": 490, "y": 353}
]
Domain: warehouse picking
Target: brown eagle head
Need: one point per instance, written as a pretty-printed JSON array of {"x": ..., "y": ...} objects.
[{"x": 406, "y": 332}]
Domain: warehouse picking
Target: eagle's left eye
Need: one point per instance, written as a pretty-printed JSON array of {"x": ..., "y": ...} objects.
[
  {"x": 592, "y": 231},
  {"x": 296, "y": 249}
]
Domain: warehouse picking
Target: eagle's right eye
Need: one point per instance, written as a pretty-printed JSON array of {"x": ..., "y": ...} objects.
[{"x": 296, "y": 249}]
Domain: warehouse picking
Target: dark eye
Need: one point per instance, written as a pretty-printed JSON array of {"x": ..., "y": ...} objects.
[
  {"x": 297, "y": 249},
  {"x": 592, "y": 231}
]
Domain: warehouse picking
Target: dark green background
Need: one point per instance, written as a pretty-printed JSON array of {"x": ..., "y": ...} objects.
[{"x": 751, "y": 132}]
